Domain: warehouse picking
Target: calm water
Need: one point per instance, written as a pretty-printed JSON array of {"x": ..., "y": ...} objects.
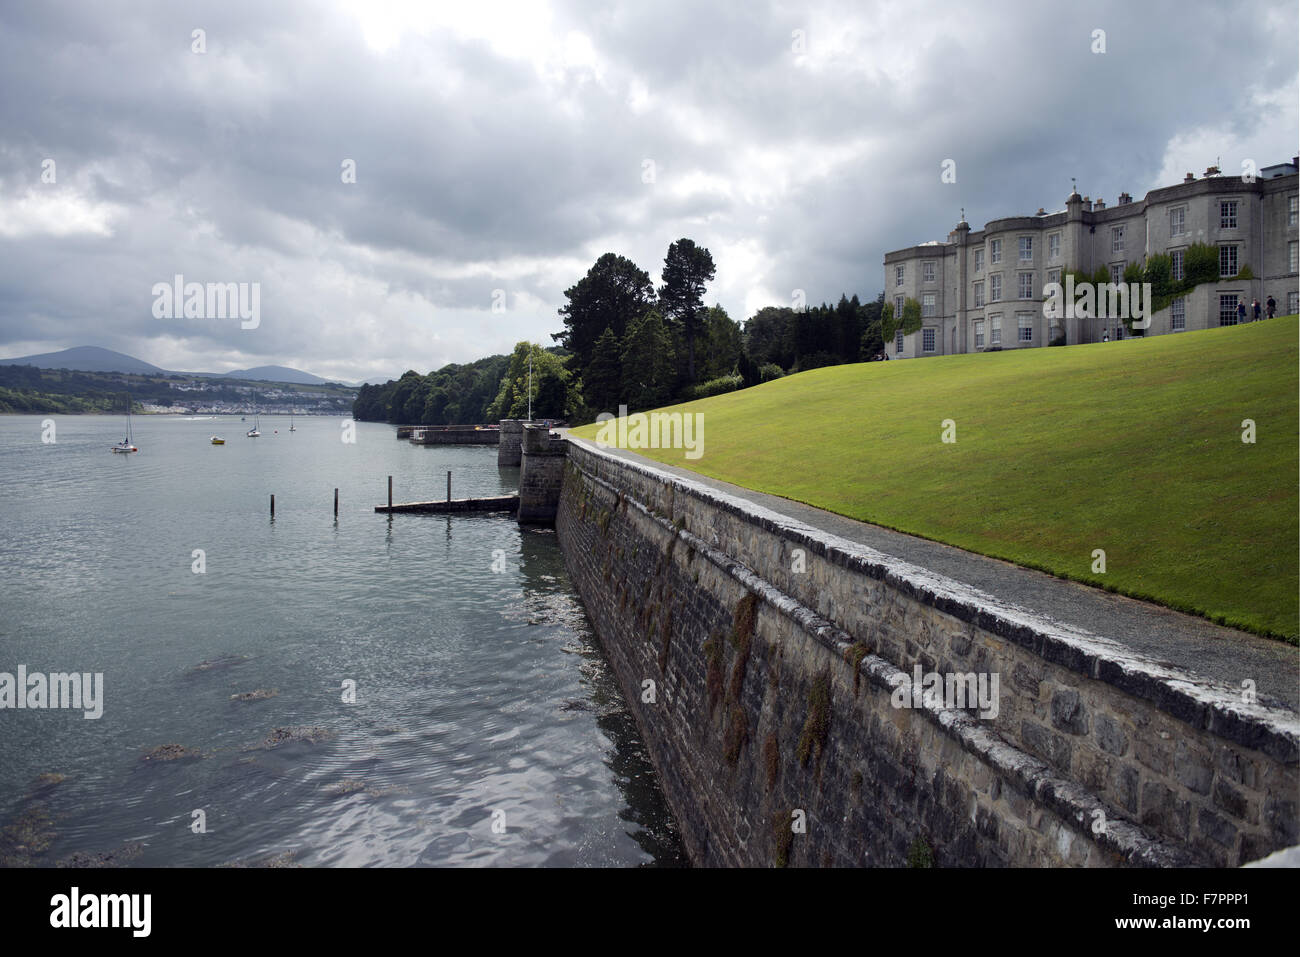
[{"x": 481, "y": 696}]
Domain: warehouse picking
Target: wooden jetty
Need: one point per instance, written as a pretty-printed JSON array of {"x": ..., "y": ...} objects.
[{"x": 499, "y": 503}]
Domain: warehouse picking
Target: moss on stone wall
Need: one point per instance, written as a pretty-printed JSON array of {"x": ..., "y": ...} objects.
[
  {"x": 783, "y": 834},
  {"x": 856, "y": 652},
  {"x": 816, "y": 726},
  {"x": 772, "y": 759}
]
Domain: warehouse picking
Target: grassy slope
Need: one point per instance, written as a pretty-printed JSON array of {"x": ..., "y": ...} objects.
[{"x": 1134, "y": 447}]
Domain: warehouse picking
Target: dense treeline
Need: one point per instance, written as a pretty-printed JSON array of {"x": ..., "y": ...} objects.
[
  {"x": 627, "y": 343},
  {"x": 451, "y": 395}
]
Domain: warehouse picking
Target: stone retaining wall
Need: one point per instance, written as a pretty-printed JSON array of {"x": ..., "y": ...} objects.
[{"x": 773, "y": 650}]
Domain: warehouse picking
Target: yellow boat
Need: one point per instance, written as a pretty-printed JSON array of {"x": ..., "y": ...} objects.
[{"x": 218, "y": 440}]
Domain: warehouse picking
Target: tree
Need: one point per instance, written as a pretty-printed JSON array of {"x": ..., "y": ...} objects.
[
  {"x": 613, "y": 293},
  {"x": 873, "y": 339},
  {"x": 767, "y": 336},
  {"x": 649, "y": 362},
  {"x": 687, "y": 269},
  {"x": 604, "y": 377},
  {"x": 552, "y": 398},
  {"x": 401, "y": 404},
  {"x": 750, "y": 374},
  {"x": 722, "y": 342}
]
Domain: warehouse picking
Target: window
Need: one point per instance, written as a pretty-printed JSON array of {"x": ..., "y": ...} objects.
[
  {"x": 979, "y": 333},
  {"x": 927, "y": 305},
  {"x": 1178, "y": 221},
  {"x": 899, "y": 302},
  {"x": 1054, "y": 246},
  {"x": 1292, "y": 303},
  {"x": 898, "y": 275},
  {"x": 1025, "y": 322},
  {"x": 995, "y": 330},
  {"x": 927, "y": 272},
  {"x": 995, "y": 287},
  {"x": 1291, "y": 256},
  {"x": 1117, "y": 239},
  {"x": 1228, "y": 214},
  {"x": 1054, "y": 275},
  {"x": 1026, "y": 249},
  {"x": 979, "y": 260},
  {"x": 1178, "y": 315},
  {"x": 927, "y": 339},
  {"x": 1117, "y": 273},
  {"x": 1227, "y": 261},
  {"x": 995, "y": 251},
  {"x": 1291, "y": 203},
  {"x": 898, "y": 342},
  {"x": 1025, "y": 285},
  {"x": 979, "y": 294},
  {"x": 1176, "y": 266},
  {"x": 1228, "y": 309}
]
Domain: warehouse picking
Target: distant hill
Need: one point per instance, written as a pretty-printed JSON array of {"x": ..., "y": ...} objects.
[
  {"x": 95, "y": 359},
  {"x": 277, "y": 374},
  {"x": 86, "y": 359}
]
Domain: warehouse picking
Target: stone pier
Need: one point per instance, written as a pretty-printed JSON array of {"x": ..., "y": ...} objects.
[
  {"x": 509, "y": 448},
  {"x": 541, "y": 474}
]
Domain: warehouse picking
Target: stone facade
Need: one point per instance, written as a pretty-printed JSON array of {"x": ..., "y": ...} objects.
[
  {"x": 773, "y": 650},
  {"x": 995, "y": 276}
]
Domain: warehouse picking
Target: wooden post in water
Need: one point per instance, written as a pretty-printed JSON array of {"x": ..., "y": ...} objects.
[
  {"x": 390, "y": 493},
  {"x": 336, "y": 505},
  {"x": 273, "y": 505},
  {"x": 449, "y": 485}
]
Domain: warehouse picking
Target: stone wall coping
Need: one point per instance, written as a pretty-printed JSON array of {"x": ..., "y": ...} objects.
[{"x": 1209, "y": 705}]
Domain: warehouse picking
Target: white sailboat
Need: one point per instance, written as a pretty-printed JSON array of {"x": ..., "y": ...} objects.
[
  {"x": 126, "y": 445},
  {"x": 254, "y": 432},
  {"x": 292, "y": 428}
]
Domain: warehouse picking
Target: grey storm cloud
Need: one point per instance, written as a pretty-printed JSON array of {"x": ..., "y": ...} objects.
[{"x": 498, "y": 153}]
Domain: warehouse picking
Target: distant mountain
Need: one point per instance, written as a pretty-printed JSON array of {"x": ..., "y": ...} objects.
[
  {"x": 95, "y": 359},
  {"x": 86, "y": 359},
  {"x": 277, "y": 374}
]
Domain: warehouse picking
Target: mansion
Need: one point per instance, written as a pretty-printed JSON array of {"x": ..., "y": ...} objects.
[{"x": 984, "y": 290}]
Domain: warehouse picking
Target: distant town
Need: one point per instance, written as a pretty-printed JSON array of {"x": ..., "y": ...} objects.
[{"x": 55, "y": 384}]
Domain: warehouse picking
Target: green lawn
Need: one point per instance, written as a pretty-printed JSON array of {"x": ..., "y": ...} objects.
[{"x": 1133, "y": 447}]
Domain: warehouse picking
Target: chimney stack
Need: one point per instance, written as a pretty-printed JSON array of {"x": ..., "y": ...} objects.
[{"x": 1189, "y": 178}]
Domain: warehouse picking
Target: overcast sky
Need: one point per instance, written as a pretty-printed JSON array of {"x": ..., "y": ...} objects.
[{"x": 507, "y": 147}]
